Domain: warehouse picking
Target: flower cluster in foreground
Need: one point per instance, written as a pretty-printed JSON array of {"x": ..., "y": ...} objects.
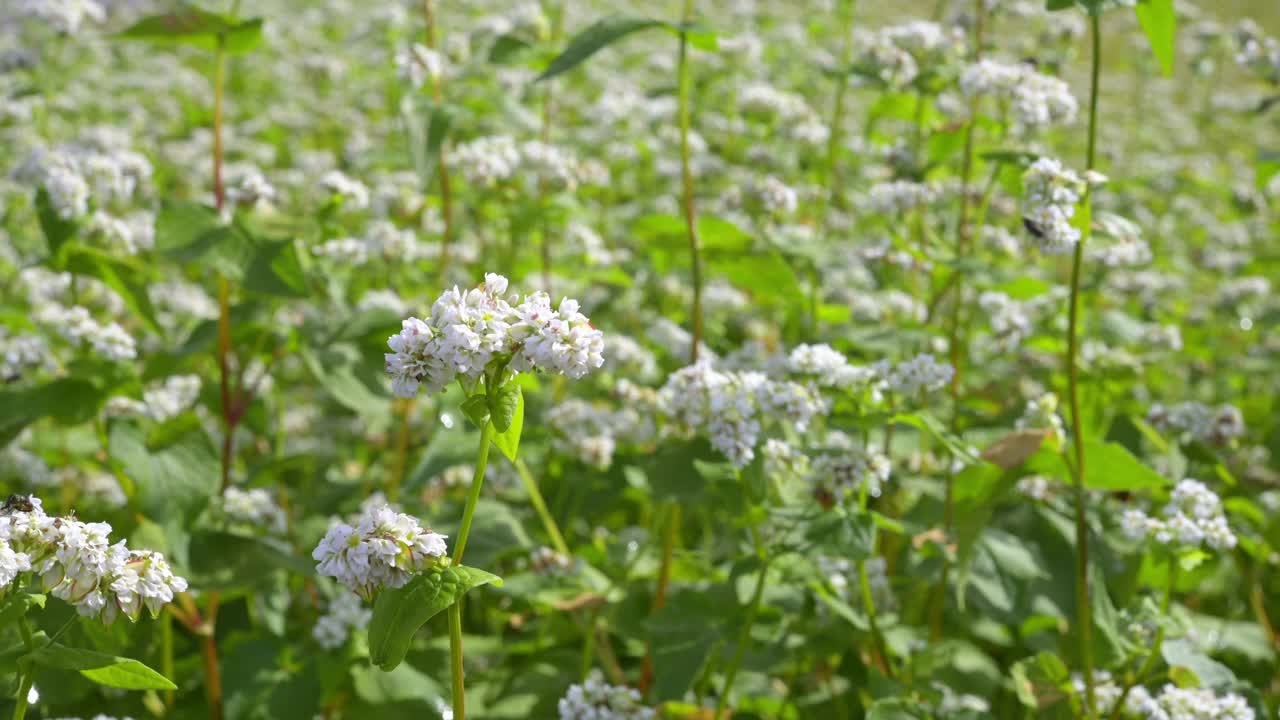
[
  {"x": 384, "y": 549},
  {"x": 1193, "y": 516},
  {"x": 76, "y": 562},
  {"x": 595, "y": 699},
  {"x": 471, "y": 331}
]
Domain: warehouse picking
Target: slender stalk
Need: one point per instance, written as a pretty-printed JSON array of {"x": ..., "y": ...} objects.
[
  {"x": 24, "y": 685},
  {"x": 442, "y": 168},
  {"x": 686, "y": 177},
  {"x": 545, "y": 135},
  {"x": 455, "y": 610},
  {"x": 1154, "y": 655},
  {"x": 832, "y": 176},
  {"x": 868, "y": 601},
  {"x": 540, "y": 506},
  {"x": 963, "y": 235},
  {"x": 670, "y": 538},
  {"x": 166, "y": 655},
  {"x": 753, "y": 610},
  {"x": 209, "y": 656},
  {"x": 1083, "y": 609}
]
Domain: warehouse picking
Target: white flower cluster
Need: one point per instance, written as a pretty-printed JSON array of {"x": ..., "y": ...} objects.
[
  {"x": 1196, "y": 421},
  {"x": 591, "y": 433},
  {"x": 730, "y": 407},
  {"x": 384, "y": 549},
  {"x": 1037, "y": 99},
  {"x": 847, "y": 468},
  {"x": 108, "y": 340},
  {"x": 76, "y": 562},
  {"x": 346, "y": 613},
  {"x": 774, "y": 196},
  {"x": 160, "y": 402},
  {"x": 468, "y": 330},
  {"x": 1193, "y": 516},
  {"x": 783, "y": 462},
  {"x": 1051, "y": 195},
  {"x": 1042, "y": 414},
  {"x": 595, "y": 699},
  {"x": 19, "y": 353},
  {"x": 626, "y": 356},
  {"x": 831, "y": 369},
  {"x": 1036, "y": 487},
  {"x": 64, "y": 16},
  {"x": 1257, "y": 51},
  {"x": 1239, "y": 289},
  {"x": 1010, "y": 320},
  {"x": 418, "y": 63},
  {"x": 131, "y": 233},
  {"x": 496, "y": 159},
  {"x": 254, "y": 507},
  {"x": 1172, "y": 703},
  {"x": 899, "y": 196},
  {"x": 79, "y": 176},
  {"x": 842, "y": 576},
  {"x": 250, "y": 189},
  {"x": 921, "y": 374},
  {"x": 763, "y": 99},
  {"x": 897, "y": 53},
  {"x": 353, "y": 194}
]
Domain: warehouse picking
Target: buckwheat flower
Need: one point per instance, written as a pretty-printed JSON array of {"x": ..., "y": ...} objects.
[
  {"x": 487, "y": 161},
  {"x": 20, "y": 353},
  {"x": 384, "y": 549},
  {"x": 559, "y": 341},
  {"x": 345, "y": 614},
  {"x": 1196, "y": 421},
  {"x": 899, "y": 196},
  {"x": 113, "y": 343},
  {"x": 172, "y": 397},
  {"x": 1042, "y": 414},
  {"x": 419, "y": 63},
  {"x": 347, "y": 250},
  {"x": 255, "y": 507},
  {"x": 1036, "y": 487},
  {"x": 847, "y": 470},
  {"x": 764, "y": 100},
  {"x": 550, "y": 164},
  {"x": 251, "y": 189},
  {"x": 921, "y": 373},
  {"x": 776, "y": 198},
  {"x": 12, "y": 564},
  {"x": 64, "y": 16},
  {"x": 353, "y": 194},
  {"x": 595, "y": 699},
  {"x": 1051, "y": 195},
  {"x": 1010, "y": 320},
  {"x": 144, "y": 580},
  {"x": 784, "y": 462},
  {"x": 68, "y": 192},
  {"x": 1192, "y": 517},
  {"x": 630, "y": 358}
]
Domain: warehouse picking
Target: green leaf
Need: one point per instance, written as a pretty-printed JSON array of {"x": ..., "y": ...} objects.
[
  {"x": 180, "y": 224},
  {"x": 1020, "y": 158},
  {"x": 1109, "y": 466},
  {"x": 68, "y": 401},
  {"x": 476, "y": 408},
  {"x": 603, "y": 33},
  {"x": 189, "y": 25},
  {"x": 1209, "y": 672},
  {"x": 347, "y": 380},
  {"x": 275, "y": 270},
  {"x": 508, "y": 441},
  {"x": 426, "y": 138},
  {"x": 125, "y": 276},
  {"x": 102, "y": 668},
  {"x": 399, "y": 612},
  {"x": 57, "y": 231},
  {"x": 1160, "y": 24},
  {"x": 176, "y": 481},
  {"x": 503, "y": 406},
  {"x": 15, "y": 607}
]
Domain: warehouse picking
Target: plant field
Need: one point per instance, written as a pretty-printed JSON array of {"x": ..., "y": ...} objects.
[{"x": 604, "y": 360}]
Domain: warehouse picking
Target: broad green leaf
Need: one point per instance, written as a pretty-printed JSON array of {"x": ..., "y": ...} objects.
[
  {"x": 595, "y": 38},
  {"x": 508, "y": 441},
  {"x": 503, "y": 406},
  {"x": 682, "y": 635},
  {"x": 57, "y": 230},
  {"x": 350, "y": 382},
  {"x": 1160, "y": 23},
  {"x": 1109, "y": 466},
  {"x": 126, "y": 276},
  {"x": 399, "y": 612},
  {"x": 67, "y": 401},
  {"x": 275, "y": 270},
  {"x": 1209, "y": 673},
  {"x": 176, "y": 481},
  {"x": 181, "y": 223},
  {"x": 189, "y": 25},
  {"x": 102, "y": 668},
  {"x": 428, "y": 126}
]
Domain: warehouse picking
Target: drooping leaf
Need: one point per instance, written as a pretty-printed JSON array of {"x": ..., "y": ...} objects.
[
  {"x": 503, "y": 406},
  {"x": 399, "y": 612},
  {"x": 66, "y": 400},
  {"x": 189, "y": 25},
  {"x": 102, "y": 668},
  {"x": 595, "y": 38},
  {"x": 57, "y": 229},
  {"x": 175, "y": 481},
  {"x": 508, "y": 441},
  {"x": 1160, "y": 24}
]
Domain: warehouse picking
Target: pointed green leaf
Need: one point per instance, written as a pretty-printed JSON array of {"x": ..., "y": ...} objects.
[
  {"x": 1160, "y": 24},
  {"x": 476, "y": 408},
  {"x": 57, "y": 230},
  {"x": 102, "y": 668},
  {"x": 16, "y": 606},
  {"x": 189, "y": 25},
  {"x": 508, "y": 441},
  {"x": 1109, "y": 466},
  {"x": 594, "y": 39},
  {"x": 399, "y": 612}
]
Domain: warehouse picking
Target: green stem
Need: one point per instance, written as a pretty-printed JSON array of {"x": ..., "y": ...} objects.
[
  {"x": 455, "y": 610},
  {"x": 455, "y": 661},
  {"x": 1083, "y": 609},
  {"x": 1152, "y": 657},
  {"x": 24, "y": 685},
  {"x": 831, "y": 171},
  {"x": 442, "y": 168},
  {"x": 753, "y": 610},
  {"x": 166, "y": 657},
  {"x": 868, "y": 602},
  {"x": 540, "y": 505},
  {"x": 686, "y": 181}
]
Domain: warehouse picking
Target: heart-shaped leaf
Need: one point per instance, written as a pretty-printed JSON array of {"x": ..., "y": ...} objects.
[{"x": 399, "y": 612}]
